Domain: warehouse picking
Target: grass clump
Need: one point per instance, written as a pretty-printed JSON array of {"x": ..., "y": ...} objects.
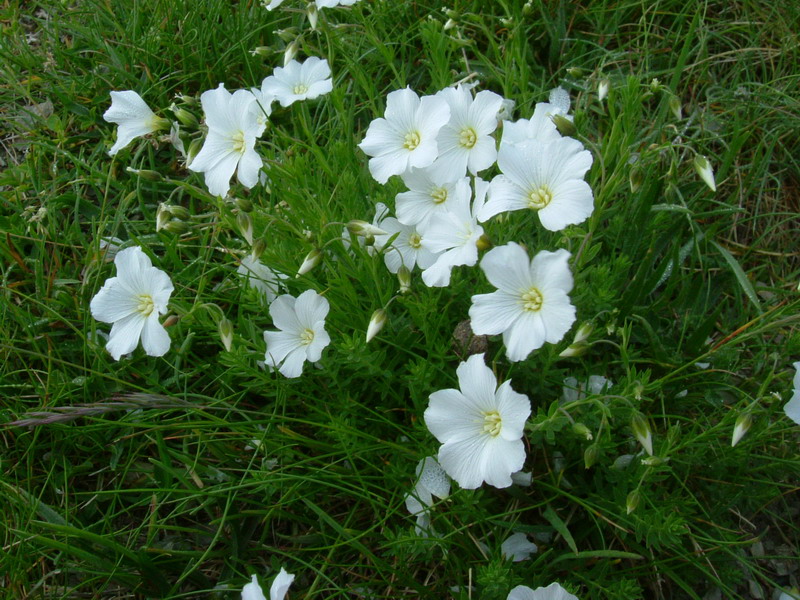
[{"x": 180, "y": 476}]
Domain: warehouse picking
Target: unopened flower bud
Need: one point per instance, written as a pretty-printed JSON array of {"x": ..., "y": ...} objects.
[
  {"x": 311, "y": 11},
  {"x": 244, "y": 204},
  {"x": 632, "y": 501},
  {"x": 590, "y": 456},
  {"x": 574, "y": 350},
  {"x": 185, "y": 118},
  {"x": 675, "y": 107},
  {"x": 641, "y": 429},
  {"x": 655, "y": 85},
  {"x": 376, "y": 323},
  {"x": 290, "y": 52},
  {"x": 449, "y": 24},
  {"x": 564, "y": 125},
  {"x": 287, "y": 35},
  {"x": 311, "y": 260},
  {"x": 363, "y": 228},
  {"x": 170, "y": 321},
  {"x": 404, "y": 277},
  {"x": 654, "y": 461},
  {"x": 527, "y": 9},
  {"x": 635, "y": 178},
  {"x": 194, "y": 150},
  {"x": 146, "y": 174},
  {"x": 177, "y": 227},
  {"x": 188, "y": 100},
  {"x": 245, "y": 224},
  {"x": 258, "y": 248},
  {"x": 163, "y": 216},
  {"x": 179, "y": 212},
  {"x": 226, "y": 333},
  {"x": 743, "y": 423},
  {"x": 451, "y": 13},
  {"x": 703, "y": 168},
  {"x": 262, "y": 51},
  {"x": 602, "y": 89},
  {"x": 584, "y": 331},
  {"x": 484, "y": 243},
  {"x": 582, "y": 430},
  {"x": 575, "y": 72}
]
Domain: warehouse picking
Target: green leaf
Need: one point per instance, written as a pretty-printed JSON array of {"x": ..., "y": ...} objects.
[
  {"x": 561, "y": 528},
  {"x": 741, "y": 277}
]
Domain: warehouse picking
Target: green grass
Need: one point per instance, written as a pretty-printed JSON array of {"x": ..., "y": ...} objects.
[{"x": 221, "y": 469}]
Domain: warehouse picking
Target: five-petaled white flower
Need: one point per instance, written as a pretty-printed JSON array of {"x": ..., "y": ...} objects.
[
  {"x": 554, "y": 591},
  {"x": 280, "y": 585},
  {"x": 302, "y": 334},
  {"x": 792, "y": 407},
  {"x": 406, "y": 136},
  {"x": 132, "y": 301},
  {"x": 133, "y": 118},
  {"x": 531, "y": 305},
  {"x": 298, "y": 81},
  {"x": 545, "y": 177},
  {"x": 233, "y": 127},
  {"x": 466, "y": 141},
  {"x": 480, "y": 427}
]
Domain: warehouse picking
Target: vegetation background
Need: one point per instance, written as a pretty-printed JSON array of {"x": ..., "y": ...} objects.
[{"x": 178, "y": 477}]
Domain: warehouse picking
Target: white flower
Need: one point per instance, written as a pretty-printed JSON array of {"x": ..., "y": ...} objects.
[
  {"x": 132, "y": 301},
  {"x": 792, "y": 407},
  {"x": 133, "y": 117},
  {"x": 299, "y": 81},
  {"x": 262, "y": 107},
  {"x": 545, "y": 177},
  {"x": 554, "y": 591},
  {"x": 406, "y": 137},
  {"x": 273, "y": 4},
  {"x": 429, "y": 193},
  {"x": 431, "y": 481},
  {"x": 261, "y": 277},
  {"x": 230, "y": 144},
  {"x": 466, "y": 141},
  {"x": 531, "y": 305},
  {"x": 480, "y": 427},
  {"x": 333, "y": 3},
  {"x": 517, "y": 547},
  {"x": 302, "y": 334},
  {"x": 454, "y": 235},
  {"x": 406, "y": 249},
  {"x": 280, "y": 585}
]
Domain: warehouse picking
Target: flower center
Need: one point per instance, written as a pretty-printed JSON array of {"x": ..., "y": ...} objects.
[
  {"x": 532, "y": 300},
  {"x": 146, "y": 305},
  {"x": 467, "y": 137},
  {"x": 238, "y": 142},
  {"x": 412, "y": 140},
  {"x": 415, "y": 240},
  {"x": 492, "y": 423},
  {"x": 539, "y": 197},
  {"x": 306, "y": 337},
  {"x": 299, "y": 88},
  {"x": 439, "y": 195}
]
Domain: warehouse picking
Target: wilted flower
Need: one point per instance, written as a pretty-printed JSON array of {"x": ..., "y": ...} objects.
[
  {"x": 133, "y": 118},
  {"x": 260, "y": 277},
  {"x": 301, "y": 335},
  {"x": 278, "y": 590},
  {"x": 132, "y": 301},
  {"x": 480, "y": 427},
  {"x": 554, "y": 591},
  {"x": 792, "y": 407},
  {"x": 518, "y": 548},
  {"x": 531, "y": 305},
  {"x": 299, "y": 81},
  {"x": 230, "y": 144},
  {"x": 406, "y": 137}
]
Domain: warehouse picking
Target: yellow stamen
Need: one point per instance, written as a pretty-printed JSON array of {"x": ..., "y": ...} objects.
[
  {"x": 238, "y": 142},
  {"x": 299, "y": 88},
  {"x": 467, "y": 138},
  {"x": 412, "y": 140},
  {"x": 146, "y": 305},
  {"x": 532, "y": 300},
  {"x": 540, "y": 197},
  {"x": 492, "y": 423},
  {"x": 306, "y": 337},
  {"x": 439, "y": 195},
  {"x": 415, "y": 240}
]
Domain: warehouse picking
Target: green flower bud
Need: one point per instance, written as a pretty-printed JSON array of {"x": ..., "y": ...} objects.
[
  {"x": 146, "y": 174},
  {"x": 177, "y": 227},
  {"x": 376, "y": 323},
  {"x": 743, "y": 423},
  {"x": 179, "y": 212},
  {"x": 404, "y": 277},
  {"x": 582, "y": 430},
  {"x": 641, "y": 430},
  {"x": 703, "y": 168},
  {"x": 590, "y": 455},
  {"x": 225, "y": 328},
  {"x": 311, "y": 260},
  {"x": 245, "y": 224},
  {"x": 632, "y": 501},
  {"x": 675, "y": 107},
  {"x": 564, "y": 125}
]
